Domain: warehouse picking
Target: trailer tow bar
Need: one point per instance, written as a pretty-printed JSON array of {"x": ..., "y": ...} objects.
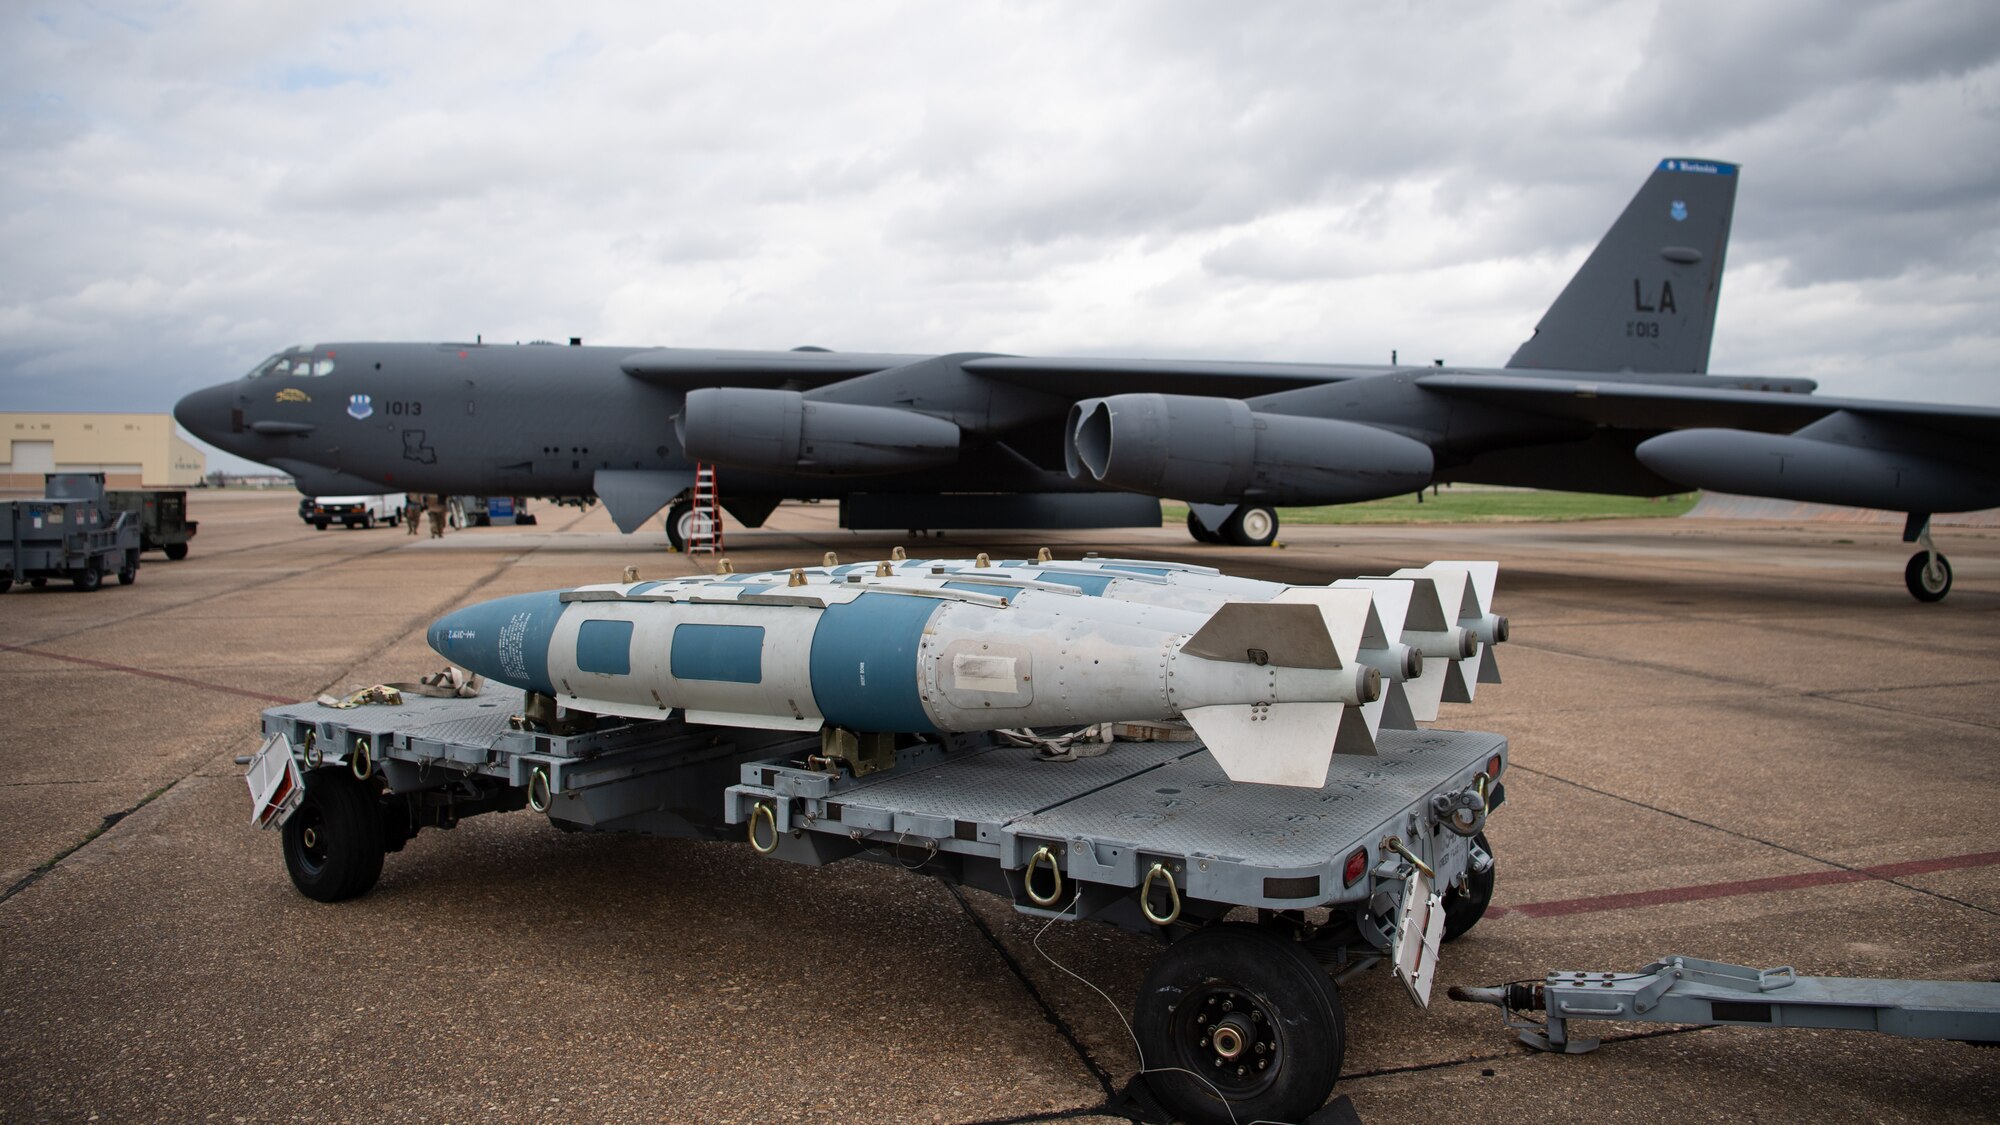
[{"x": 1689, "y": 990}]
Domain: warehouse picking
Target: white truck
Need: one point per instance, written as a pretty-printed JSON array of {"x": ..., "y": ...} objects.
[{"x": 354, "y": 511}]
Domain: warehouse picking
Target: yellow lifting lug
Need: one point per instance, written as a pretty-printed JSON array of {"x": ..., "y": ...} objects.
[
  {"x": 1173, "y": 896},
  {"x": 1028, "y": 877},
  {"x": 770, "y": 818}
]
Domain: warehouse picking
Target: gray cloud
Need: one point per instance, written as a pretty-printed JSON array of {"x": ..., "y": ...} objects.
[{"x": 188, "y": 187}]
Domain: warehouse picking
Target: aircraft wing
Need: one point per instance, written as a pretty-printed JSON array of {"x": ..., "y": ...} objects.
[
  {"x": 1648, "y": 406},
  {"x": 1078, "y": 378},
  {"x": 687, "y": 369}
]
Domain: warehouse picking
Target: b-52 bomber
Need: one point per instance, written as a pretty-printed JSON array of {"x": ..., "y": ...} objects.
[{"x": 1610, "y": 394}]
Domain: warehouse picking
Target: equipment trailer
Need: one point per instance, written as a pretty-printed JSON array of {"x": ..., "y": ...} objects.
[{"x": 1236, "y": 1020}]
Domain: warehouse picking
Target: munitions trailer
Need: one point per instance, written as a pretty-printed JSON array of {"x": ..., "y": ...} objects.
[
  {"x": 69, "y": 533},
  {"x": 1237, "y": 1019},
  {"x": 162, "y": 516}
]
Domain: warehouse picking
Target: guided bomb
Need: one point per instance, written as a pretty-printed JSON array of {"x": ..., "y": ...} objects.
[{"x": 1274, "y": 685}]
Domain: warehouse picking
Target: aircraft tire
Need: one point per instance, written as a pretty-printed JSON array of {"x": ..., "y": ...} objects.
[
  {"x": 679, "y": 522},
  {"x": 1200, "y": 533},
  {"x": 1924, "y": 585},
  {"x": 1251, "y": 525},
  {"x": 1466, "y": 904},
  {"x": 1246, "y": 972},
  {"x": 88, "y": 578},
  {"x": 334, "y": 842},
  {"x": 176, "y": 551}
]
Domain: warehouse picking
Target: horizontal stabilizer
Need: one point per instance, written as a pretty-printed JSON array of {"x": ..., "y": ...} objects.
[
  {"x": 1270, "y": 744},
  {"x": 1289, "y": 636}
]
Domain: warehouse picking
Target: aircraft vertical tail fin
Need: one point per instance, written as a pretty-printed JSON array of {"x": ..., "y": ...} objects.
[{"x": 1645, "y": 299}]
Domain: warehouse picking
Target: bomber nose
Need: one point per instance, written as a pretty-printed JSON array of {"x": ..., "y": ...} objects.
[{"x": 211, "y": 413}]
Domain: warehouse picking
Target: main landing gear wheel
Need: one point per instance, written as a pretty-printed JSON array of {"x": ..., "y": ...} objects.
[
  {"x": 1927, "y": 582},
  {"x": 1201, "y": 534},
  {"x": 335, "y": 841},
  {"x": 1251, "y": 525},
  {"x": 680, "y": 524},
  {"x": 1465, "y": 905},
  {"x": 1239, "y": 1024}
]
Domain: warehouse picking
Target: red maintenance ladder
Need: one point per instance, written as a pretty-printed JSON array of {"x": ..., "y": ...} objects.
[{"x": 704, "y": 529}]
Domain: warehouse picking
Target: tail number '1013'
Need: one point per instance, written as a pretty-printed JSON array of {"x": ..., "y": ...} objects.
[{"x": 1645, "y": 329}]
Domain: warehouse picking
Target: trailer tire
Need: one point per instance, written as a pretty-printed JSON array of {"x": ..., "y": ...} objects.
[
  {"x": 129, "y": 573},
  {"x": 1465, "y": 905},
  {"x": 335, "y": 841},
  {"x": 6, "y": 584},
  {"x": 176, "y": 551},
  {"x": 1278, "y": 1007},
  {"x": 88, "y": 578}
]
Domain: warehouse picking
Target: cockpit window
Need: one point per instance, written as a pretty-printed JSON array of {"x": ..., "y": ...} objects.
[{"x": 297, "y": 366}]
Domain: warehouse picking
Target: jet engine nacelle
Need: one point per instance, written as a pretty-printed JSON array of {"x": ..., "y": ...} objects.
[
  {"x": 1217, "y": 450},
  {"x": 1793, "y": 467},
  {"x": 783, "y": 431}
]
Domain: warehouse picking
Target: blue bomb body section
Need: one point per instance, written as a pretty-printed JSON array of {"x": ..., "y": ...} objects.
[
  {"x": 506, "y": 639},
  {"x": 864, "y": 663},
  {"x": 605, "y": 647}
]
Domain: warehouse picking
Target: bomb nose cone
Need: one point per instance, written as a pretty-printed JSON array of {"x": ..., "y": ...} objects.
[{"x": 506, "y": 640}]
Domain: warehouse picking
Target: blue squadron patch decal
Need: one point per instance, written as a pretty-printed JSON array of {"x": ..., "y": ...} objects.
[
  {"x": 359, "y": 407},
  {"x": 1679, "y": 211}
]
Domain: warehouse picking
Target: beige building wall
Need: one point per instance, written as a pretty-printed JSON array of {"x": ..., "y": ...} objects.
[{"x": 131, "y": 450}]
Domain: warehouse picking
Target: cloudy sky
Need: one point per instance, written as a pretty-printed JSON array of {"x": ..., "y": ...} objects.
[{"x": 186, "y": 187}]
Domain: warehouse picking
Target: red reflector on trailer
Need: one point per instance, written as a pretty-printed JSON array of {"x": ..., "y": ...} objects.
[
  {"x": 1357, "y": 866},
  {"x": 1493, "y": 766}
]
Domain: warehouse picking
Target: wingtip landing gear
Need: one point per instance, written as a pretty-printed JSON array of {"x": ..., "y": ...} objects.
[
  {"x": 1238, "y": 525},
  {"x": 1928, "y": 573}
]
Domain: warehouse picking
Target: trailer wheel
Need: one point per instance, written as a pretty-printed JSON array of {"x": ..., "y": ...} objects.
[
  {"x": 88, "y": 578},
  {"x": 334, "y": 842},
  {"x": 6, "y": 584},
  {"x": 1465, "y": 905},
  {"x": 129, "y": 573},
  {"x": 176, "y": 551},
  {"x": 1239, "y": 1024}
]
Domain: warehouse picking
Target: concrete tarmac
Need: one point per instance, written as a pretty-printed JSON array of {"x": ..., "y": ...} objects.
[{"x": 1738, "y": 740}]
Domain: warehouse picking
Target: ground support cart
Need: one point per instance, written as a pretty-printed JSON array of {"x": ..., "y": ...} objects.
[
  {"x": 69, "y": 534},
  {"x": 1380, "y": 864},
  {"x": 162, "y": 516}
]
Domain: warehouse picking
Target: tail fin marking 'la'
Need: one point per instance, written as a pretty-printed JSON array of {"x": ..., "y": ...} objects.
[{"x": 1645, "y": 299}]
